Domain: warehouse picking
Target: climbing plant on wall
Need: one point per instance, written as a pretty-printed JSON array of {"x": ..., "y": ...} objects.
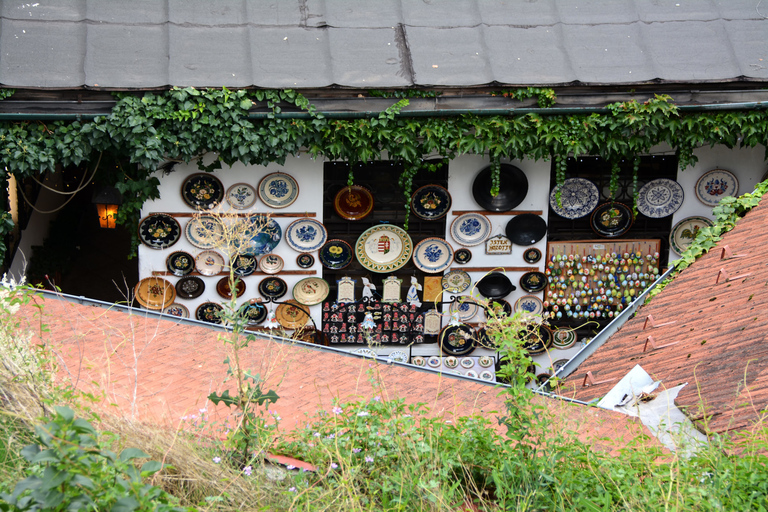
[{"x": 182, "y": 124}]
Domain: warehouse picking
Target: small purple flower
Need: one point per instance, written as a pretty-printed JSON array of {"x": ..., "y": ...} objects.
[
  {"x": 337, "y": 410},
  {"x": 216, "y": 460},
  {"x": 363, "y": 413},
  {"x": 356, "y": 450},
  {"x": 331, "y": 436},
  {"x": 316, "y": 434},
  {"x": 368, "y": 459},
  {"x": 292, "y": 489},
  {"x": 334, "y": 465},
  {"x": 290, "y": 467},
  {"x": 247, "y": 470},
  {"x": 377, "y": 399}
]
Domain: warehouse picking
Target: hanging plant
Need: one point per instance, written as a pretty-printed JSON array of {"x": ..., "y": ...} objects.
[
  {"x": 614, "y": 184},
  {"x": 635, "y": 169}
]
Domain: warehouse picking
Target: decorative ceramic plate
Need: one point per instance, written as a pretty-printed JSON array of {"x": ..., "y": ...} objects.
[
  {"x": 209, "y": 263},
  {"x": 660, "y": 198},
  {"x": 558, "y": 364},
  {"x": 485, "y": 361},
  {"x": 418, "y": 361},
  {"x": 433, "y": 255},
  {"x": 384, "y": 248},
  {"x": 471, "y": 374},
  {"x": 190, "y": 287},
  {"x": 611, "y": 220},
  {"x": 513, "y": 186},
  {"x": 471, "y": 229},
  {"x": 529, "y": 304},
  {"x": 177, "y": 309},
  {"x": 467, "y": 362},
  {"x": 532, "y": 255},
  {"x": 398, "y": 356},
  {"x": 159, "y": 231},
  {"x": 271, "y": 264},
  {"x": 456, "y": 281},
  {"x": 457, "y": 340},
  {"x": 273, "y": 288},
  {"x": 305, "y": 260},
  {"x": 204, "y": 232},
  {"x": 202, "y": 191},
  {"x": 563, "y": 338},
  {"x": 278, "y": 190},
  {"x": 353, "y": 203},
  {"x": 209, "y": 312},
  {"x": 501, "y": 306},
  {"x": 292, "y": 315},
  {"x": 487, "y": 375},
  {"x": 244, "y": 264},
  {"x": 306, "y": 235},
  {"x": 462, "y": 256},
  {"x": 466, "y": 307},
  {"x": 533, "y": 282},
  {"x": 253, "y": 312},
  {"x": 451, "y": 362},
  {"x": 484, "y": 339},
  {"x": 715, "y": 185},
  {"x": 241, "y": 196},
  {"x": 262, "y": 233},
  {"x": 685, "y": 231},
  {"x": 311, "y": 291},
  {"x": 578, "y": 197},
  {"x": 180, "y": 263},
  {"x": 155, "y": 293},
  {"x": 526, "y": 229},
  {"x": 335, "y": 254},
  {"x": 538, "y": 339},
  {"x": 223, "y": 288},
  {"x": 433, "y": 361},
  {"x": 365, "y": 352},
  {"x": 431, "y": 202}
]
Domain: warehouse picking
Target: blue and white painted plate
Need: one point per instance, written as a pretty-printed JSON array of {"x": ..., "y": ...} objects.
[
  {"x": 578, "y": 198},
  {"x": 529, "y": 304},
  {"x": 306, "y": 235},
  {"x": 433, "y": 255},
  {"x": 471, "y": 229},
  {"x": 715, "y": 185},
  {"x": 660, "y": 198},
  {"x": 278, "y": 190},
  {"x": 467, "y": 308},
  {"x": 260, "y": 235}
]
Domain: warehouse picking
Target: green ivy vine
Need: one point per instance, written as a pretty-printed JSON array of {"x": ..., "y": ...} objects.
[{"x": 146, "y": 130}]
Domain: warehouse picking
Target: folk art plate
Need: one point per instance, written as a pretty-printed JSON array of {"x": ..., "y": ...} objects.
[
  {"x": 578, "y": 197},
  {"x": 241, "y": 196},
  {"x": 311, "y": 291},
  {"x": 292, "y": 315},
  {"x": 456, "y": 281},
  {"x": 431, "y": 202},
  {"x": 155, "y": 293},
  {"x": 715, "y": 185},
  {"x": 471, "y": 229},
  {"x": 204, "y": 232},
  {"x": 202, "y": 191},
  {"x": 660, "y": 198},
  {"x": 159, "y": 231},
  {"x": 353, "y": 202},
  {"x": 278, "y": 190},
  {"x": 335, "y": 254},
  {"x": 209, "y": 263},
  {"x": 190, "y": 287},
  {"x": 384, "y": 248},
  {"x": 305, "y": 235},
  {"x": 180, "y": 263},
  {"x": 209, "y": 312},
  {"x": 273, "y": 288},
  {"x": 178, "y": 310},
  {"x": 684, "y": 232},
  {"x": 433, "y": 255}
]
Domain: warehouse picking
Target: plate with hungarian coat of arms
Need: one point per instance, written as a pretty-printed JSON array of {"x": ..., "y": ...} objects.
[
  {"x": 660, "y": 198},
  {"x": 431, "y": 202},
  {"x": 384, "y": 248},
  {"x": 433, "y": 255},
  {"x": 278, "y": 190},
  {"x": 306, "y": 235}
]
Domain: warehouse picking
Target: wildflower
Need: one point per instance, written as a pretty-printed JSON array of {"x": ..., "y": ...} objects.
[
  {"x": 334, "y": 465},
  {"x": 368, "y": 459},
  {"x": 331, "y": 436},
  {"x": 363, "y": 413},
  {"x": 316, "y": 434},
  {"x": 292, "y": 489},
  {"x": 337, "y": 410},
  {"x": 356, "y": 450},
  {"x": 406, "y": 415},
  {"x": 247, "y": 470},
  {"x": 203, "y": 411},
  {"x": 216, "y": 460},
  {"x": 289, "y": 467},
  {"x": 377, "y": 399}
]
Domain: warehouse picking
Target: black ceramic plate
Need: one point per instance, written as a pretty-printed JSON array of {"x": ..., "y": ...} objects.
[
  {"x": 202, "y": 191},
  {"x": 533, "y": 282},
  {"x": 180, "y": 263},
  {"x": 532, "y": 255},
  {"x": 538, "y": 340},
  {"x": 506, "y": 307},
  {"x": 611, "y": 220},
  {"x": 484, "y": 340},
  {"x": 513, "y": 187},
  {"x": 159, "y": 231},
  {"x": 305, "y": 260},
  {"x": 495, "y": 286},
  {"x": 253, "y": 312},
  {"x": 273, "y": 288},
  {"x": 457, "y": 340},
  {"x": 526, "y": 229},
  {"x": 209, "y": 312},
  {"x": 336, "y": 254},
  {"x": 244, "y": 264},
  {"x": 190, "y": 287},
  {"x": 431, "y": 202},
  {"x": 462, "y": 256}
]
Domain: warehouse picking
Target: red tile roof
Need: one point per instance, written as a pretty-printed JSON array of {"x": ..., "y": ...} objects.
[
  {"x": 714, "y": 338},
  {"x": 157, "y": 370}
]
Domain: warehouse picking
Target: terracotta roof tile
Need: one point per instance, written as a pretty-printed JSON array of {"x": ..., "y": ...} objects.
[{"x": 717, "y": 343}]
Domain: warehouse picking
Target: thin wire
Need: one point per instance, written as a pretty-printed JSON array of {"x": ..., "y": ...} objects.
[
  {"x": 74, "y": 191},
  {"x": 80, "y": 187}
]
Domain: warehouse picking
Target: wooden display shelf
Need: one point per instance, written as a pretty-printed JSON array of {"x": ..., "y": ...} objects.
[
  {"x": 486, "y": 212},
  {"x": 500, "y": 269},
  {"x": 232, "y": 214},
  {"x": 257, "y": 273}
]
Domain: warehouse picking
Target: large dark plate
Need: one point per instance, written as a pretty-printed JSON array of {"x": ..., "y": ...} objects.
[
  {"x": 202, "y": 191},
  {"x": 180, "y": 263},
  {"x": 611, "y": 220},
  {"x": 526, "y": 229},
  {"x": 513, "y": 187},
  {"x": 244, "y": 264},
  {"x": 495, "y": 286},
  {"x": 253, "y": 312},
  {"x": 353, "y": 203},
  {"x": 336, "y": 254},
  {"x": 159, "y": 231},
  {"x": 484, "y": 340},
  {"x": 538, "y": 339},
  {"x": 273, "y": 288},
  {"x": 190, "y": 287},
  {"x": 264, "y": 235},
  {"x": 457, "y": 340},
  {"x": 501, "y": 306},
  {"x": 431, "y": 202},
  {"x": 533, "y": 282},
  {"x": 209, "y": 312},
  {"x": 223, "y": 288}
]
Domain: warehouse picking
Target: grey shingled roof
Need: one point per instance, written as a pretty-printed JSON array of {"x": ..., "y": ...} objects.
[{"x": 379, "y": 43}]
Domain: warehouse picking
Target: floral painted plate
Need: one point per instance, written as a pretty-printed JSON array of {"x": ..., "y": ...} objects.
[
  {"x": 261, "y": 234},
  {"x": 533, "y": 282},
  {"x": 398, "y": 356},
  {"x": 467, "y": 363},
  {"x": 451, "y": 362},
  {"x": 384, "y": 248},
  {"x": 311, "y": 291},
  {"x": 485, "y": 361},
  {"x": 685, "y": 231},
  {"x": 177, "y": 309},
  {"x": 457, "y": 340},
  {"x": 611, "y": 220},
  {"x": 159, "y": 231},
  {"x": 433, "y": 255},
  {"x": 715, "y": 185},
  {"x": 209, "y": 312},
  {"x": 529, "y": 304},
  {"x": 155, "y": 293},
  {"x": 180, "y": 263},
  {"x": 532, "y": 255},
  {"x": 434, "y": 361},
  {"x": 306, "y": 235},
  {"x": 335, "y": 254},
  {"x": 353, "y": 202},
  {"x": 660, "y": 198},
  {"x": 244, "y": 264},
  {"x": 456, "y": 281},
  {"x": 278, "y": 190},
  {"x": 273, "y": 288},
  {"x": 292, "y": 315},
  {"x": 305, "y": 260},
  {"x": 271, "y": 264},
  {"x": 471, "y": 374},
  {"x": 462, "y": 256},
  {"x": 205, "y": 232},
  {"x": 466, "y": 307},
  {"x": 563, "y": 338},
  {"x": 578, "y": 197},
  {"x": 202, "y": 191},
  {"x": 209, "y": 263},
  {"x": 241, "y": 196},
  {"x": 431, "y": 202},
  {"x": 253, "y": 312},
  {"x": 190, "y": 287},
  {"x": 471, "y": 229},
  {"x": 418, "y": 361},
  {"x": 487, "y": 375}
]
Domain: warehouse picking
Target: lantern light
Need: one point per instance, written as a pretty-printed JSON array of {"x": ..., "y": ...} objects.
[{"x": 107, "y": 201}]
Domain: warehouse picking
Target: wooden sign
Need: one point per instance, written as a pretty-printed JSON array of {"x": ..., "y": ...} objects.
[{"x": 498, "y": 244}]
